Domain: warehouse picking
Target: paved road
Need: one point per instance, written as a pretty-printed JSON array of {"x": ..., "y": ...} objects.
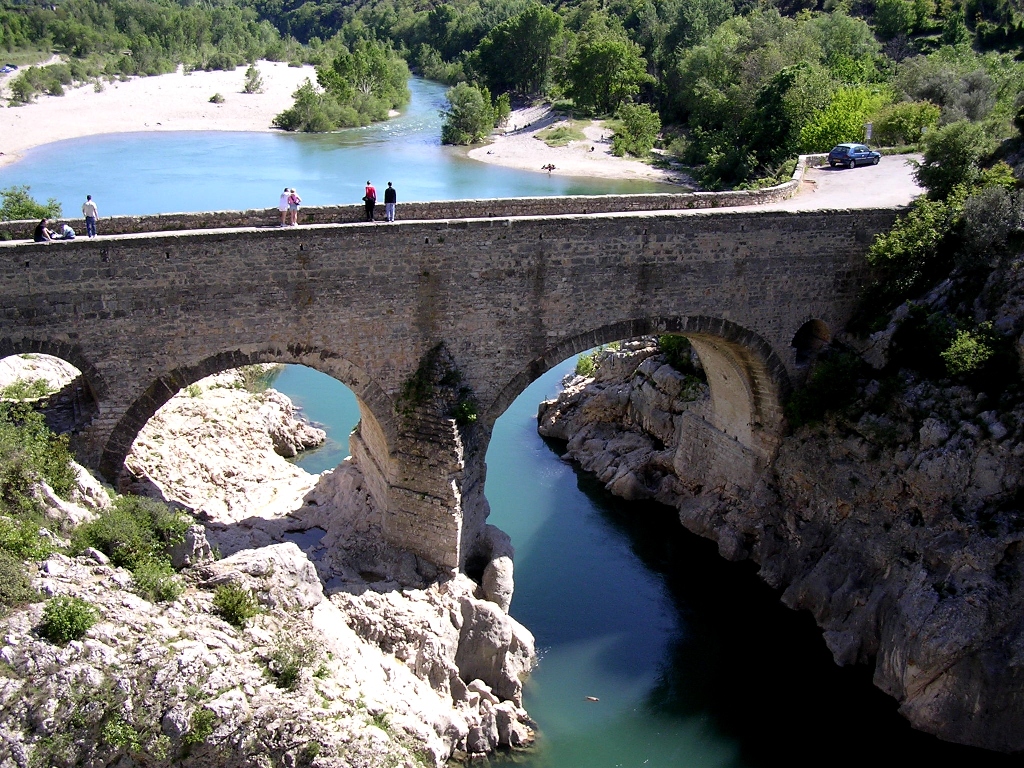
[{"x": 890, "y": 183}]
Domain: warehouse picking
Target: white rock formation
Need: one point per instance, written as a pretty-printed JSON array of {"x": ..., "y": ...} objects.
[{"x": 395, "y": 668}]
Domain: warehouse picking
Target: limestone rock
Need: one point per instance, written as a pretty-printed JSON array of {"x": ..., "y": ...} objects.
[{"x": 907, "y": 551}]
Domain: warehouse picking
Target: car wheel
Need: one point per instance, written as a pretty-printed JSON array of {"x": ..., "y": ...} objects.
[
  {"x": 851, "y": 163},
  {"x": 831, "y": 164},
  {"x": 875, "y": 161}
]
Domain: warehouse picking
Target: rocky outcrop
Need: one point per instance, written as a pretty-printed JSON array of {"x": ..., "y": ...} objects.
[
  {"x": 898, "y": 523},
  {"x": 220, "y": 450},
  {"x": 389, "y": 665}
]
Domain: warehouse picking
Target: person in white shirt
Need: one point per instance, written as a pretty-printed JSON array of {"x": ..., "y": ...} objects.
[
  {"x": 91, "y": 213},
  {"x": 282, "y": 206}
]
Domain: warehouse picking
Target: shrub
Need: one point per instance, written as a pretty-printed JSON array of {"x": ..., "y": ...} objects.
[
  {"x": 288, "y": 659},
  {"x": 133, "y": 532},
  {"x": 15, "y": 584},
  {"x": 20, "y": 537},
  {"x": 952, "y": 156},
  {"x": 30, "y": 452},
  {"x": 966, "y": 354},
  {"x": 216, "y": 99},
  {"x": 118, "y": 733},
  {"x": 677, "y": 351},
  {"x": 255, "y": 378},
  {"x": 235, "y": 604},
  {"x": 831, "y": 387},
  {"x": 155, "y": 580},
  {"x": 842, "y": 120},
  {"x": 26, "y": 389},
  {"x": 586, "y": 364},
  {"x": 905, "y": 123},
  {"x": 253, "y": 80},
  {"x": 67, "y": 618},
  {"x": 200, "y": 727}
]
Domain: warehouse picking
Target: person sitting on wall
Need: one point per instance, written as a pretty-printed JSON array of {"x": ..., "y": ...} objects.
[
  {"x": 63, "y": 232},
  {"x": 42, "y": 234}
]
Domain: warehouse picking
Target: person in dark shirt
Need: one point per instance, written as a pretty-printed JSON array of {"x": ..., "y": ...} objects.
[
  {"x": 42, "y": 234},
  {"x": 390, "y": 198}
]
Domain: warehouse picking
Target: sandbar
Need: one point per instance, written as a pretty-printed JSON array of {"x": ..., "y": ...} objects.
[
  {"x": 173, "y": 102},
  {"x": 518, "y": 146}
]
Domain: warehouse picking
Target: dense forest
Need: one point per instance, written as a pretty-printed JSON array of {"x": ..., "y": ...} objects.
[{"x": 735, "y": 87}]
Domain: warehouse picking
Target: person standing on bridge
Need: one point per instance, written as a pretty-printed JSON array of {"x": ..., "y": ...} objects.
[
  {"x": 390, "y": 199},
  {"x": 91, "y": 213},
  {"x": 282, "y": 206},
  {"x": 293, "y": 206},
  {"x": 369, "y": 200}
]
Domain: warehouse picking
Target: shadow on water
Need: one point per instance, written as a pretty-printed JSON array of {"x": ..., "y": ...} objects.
[{"x": 759, "y": 671}]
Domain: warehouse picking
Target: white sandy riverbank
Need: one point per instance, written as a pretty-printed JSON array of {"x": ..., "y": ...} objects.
[
  {"x": 519, "y": 147},
  {"x": 174, "y": 102}
]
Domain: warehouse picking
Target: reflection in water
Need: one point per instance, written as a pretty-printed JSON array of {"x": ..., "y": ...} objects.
[{"x": 140, "y": 173}]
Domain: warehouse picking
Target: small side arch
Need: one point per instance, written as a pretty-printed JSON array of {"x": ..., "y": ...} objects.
[
  {"x": 72, "y": 353},
  {"x": 377, "y": 412}
]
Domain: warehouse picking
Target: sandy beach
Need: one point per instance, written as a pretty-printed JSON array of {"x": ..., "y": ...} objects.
[
  {"x": 519, "y": 147},
  {"x": 174, "y": 102}
]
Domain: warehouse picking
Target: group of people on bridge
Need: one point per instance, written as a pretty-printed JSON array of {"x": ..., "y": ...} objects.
[{"x": 43, "y": 233}]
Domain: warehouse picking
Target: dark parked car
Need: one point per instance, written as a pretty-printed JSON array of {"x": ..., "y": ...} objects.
[{"x": 851, "y": 155}]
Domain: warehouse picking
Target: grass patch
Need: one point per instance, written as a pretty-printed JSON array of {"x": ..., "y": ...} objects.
[
  {"x": 15, "y": 583},
  {"x": 562, "y": 134}
]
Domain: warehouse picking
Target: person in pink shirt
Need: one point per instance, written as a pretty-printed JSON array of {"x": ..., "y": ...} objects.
[{"x": 370, "y": 200}]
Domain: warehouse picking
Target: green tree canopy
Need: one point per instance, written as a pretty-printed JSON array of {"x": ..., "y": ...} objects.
[
  {"x": 640, "y": 128},
  {"x": 469, "y": 115},
  {"x": 18, "y": 204},
  {"x": 604, "y": 71},
  {"x": 516, "y": 56},
  {"x": 952, "y": 156}
]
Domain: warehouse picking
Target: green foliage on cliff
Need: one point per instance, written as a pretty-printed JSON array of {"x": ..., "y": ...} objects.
[{"x": 831, "y": 386}]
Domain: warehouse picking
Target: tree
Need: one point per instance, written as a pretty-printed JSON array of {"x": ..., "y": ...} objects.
[
  {"x": 253, "y": 81},
  {"x": 469, "y": 116},
  {"x": 516, "y": 55},
  {"x": 894, "y": 17},
  {"x": 952, "y": 156},
  {"x": 640, "y": 127},
  {"x": 842, "y": 120},
  {"x": 18, "y": 205},
  {"x": 905, "y": 123},
  {"x": 604, "y": 72}
]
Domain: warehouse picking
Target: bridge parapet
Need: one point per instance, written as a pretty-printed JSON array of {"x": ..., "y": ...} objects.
[{"x": 440, "y": 209}]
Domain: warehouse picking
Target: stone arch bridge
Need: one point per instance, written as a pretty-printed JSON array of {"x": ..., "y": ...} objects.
[{"x": 144, "y": 315}]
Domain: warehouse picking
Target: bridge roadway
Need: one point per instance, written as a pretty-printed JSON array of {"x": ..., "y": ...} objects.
[{"x": 478, "y": 308}]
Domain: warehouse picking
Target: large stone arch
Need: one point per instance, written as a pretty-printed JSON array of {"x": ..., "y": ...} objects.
[
  {"x": 739, "y": 436},
  {"x": 377, "y": 428}
]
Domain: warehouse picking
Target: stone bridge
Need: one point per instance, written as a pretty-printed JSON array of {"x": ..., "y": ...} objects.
[{"x": 427, "y": 320}]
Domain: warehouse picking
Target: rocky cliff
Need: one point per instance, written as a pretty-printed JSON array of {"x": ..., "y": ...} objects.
[
  {"x": 897, "y": 520},
  {"x": 359, "y": 655}
]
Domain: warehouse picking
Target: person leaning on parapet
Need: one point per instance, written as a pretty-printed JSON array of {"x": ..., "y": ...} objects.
[
  {"x": 390, "y": 199},
  {"x": 42, "y": 233},
  {"x": 91, "y": 213},
  {"x": 369, "y": 199},
  {"x": 293, "y": 205},
  {"x": 282, "y": 206}
]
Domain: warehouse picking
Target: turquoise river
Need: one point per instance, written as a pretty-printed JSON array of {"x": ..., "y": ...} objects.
[{"x": 695, "y": 662}]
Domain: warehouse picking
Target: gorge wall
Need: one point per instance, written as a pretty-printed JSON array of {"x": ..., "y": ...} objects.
[{"x": 898, "y": 523}]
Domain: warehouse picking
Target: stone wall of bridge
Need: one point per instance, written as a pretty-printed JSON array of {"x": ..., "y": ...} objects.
[{"x": 145, "y": 315}]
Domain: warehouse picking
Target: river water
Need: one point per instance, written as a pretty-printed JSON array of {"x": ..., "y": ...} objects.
[{"x": 694, "y": 660}]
